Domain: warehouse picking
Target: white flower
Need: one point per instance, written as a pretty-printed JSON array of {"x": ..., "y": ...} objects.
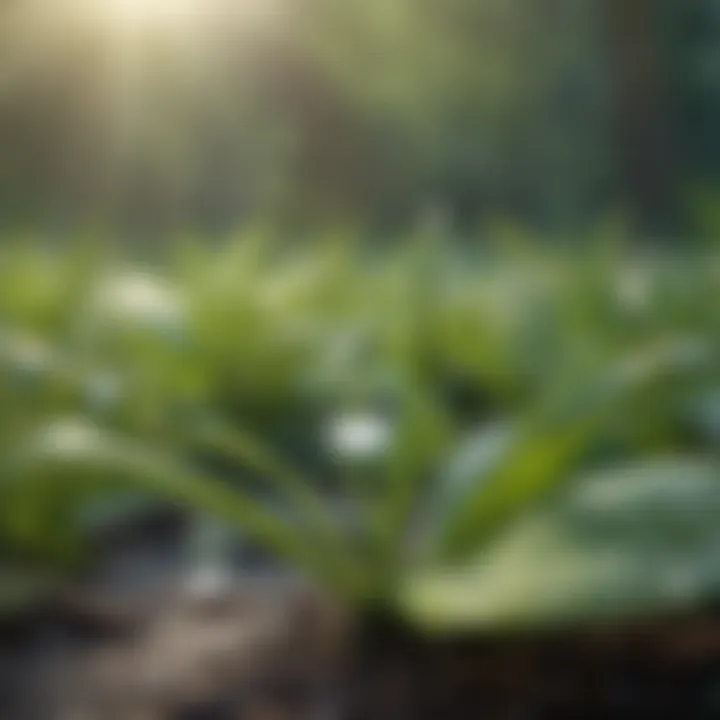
[
  {"x": 69, "y": 437},
  {"x": 634, "y": 290},
  {"x": 138, "y": 297},
  {"x": 360, "y": 435}
]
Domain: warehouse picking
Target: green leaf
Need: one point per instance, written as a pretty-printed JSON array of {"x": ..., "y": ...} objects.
[
  {"x": 68, "y": 451},
  {"x": 420, "y": 440},
  {"x": 240, "y": 446},
  {"x": 470, "y": 465},
  {"x": 628, "y": 540},
  {"x": 544, "y": 450}
]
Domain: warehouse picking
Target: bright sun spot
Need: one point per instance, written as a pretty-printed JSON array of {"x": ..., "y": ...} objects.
[
  {"x": 147, "y": 14},
  {"x": 172, "y": 18},
  {"x": 158, "y": 20}
]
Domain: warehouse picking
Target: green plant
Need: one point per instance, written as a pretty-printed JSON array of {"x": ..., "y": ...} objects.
[{"x": 592, "y": 362}]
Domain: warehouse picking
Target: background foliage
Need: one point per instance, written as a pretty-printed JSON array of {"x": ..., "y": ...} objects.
[
  {"x": 406, "y": 425},
  {"x": 553, "y": 112}
]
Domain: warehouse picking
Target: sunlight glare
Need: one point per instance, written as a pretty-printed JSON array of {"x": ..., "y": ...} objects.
[{"x": 147, "y": 14}]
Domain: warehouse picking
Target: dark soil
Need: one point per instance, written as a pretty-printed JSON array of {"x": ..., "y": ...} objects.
[
  {"x": 273, "y": 649},
  {"x": 669, "y": 668},
  {"x": 266, "y": 651},
  {"x": 272, "y": 653}
]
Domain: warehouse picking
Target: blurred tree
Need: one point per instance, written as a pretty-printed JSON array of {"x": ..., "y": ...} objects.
[
  {"x": 550, "y": 111},
  {"x": 491, "y": 107},
  {"x": 697, "y": 70},
  {"x": 646, "y": 142}
]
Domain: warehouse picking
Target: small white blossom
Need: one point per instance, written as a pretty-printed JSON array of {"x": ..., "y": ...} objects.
[
  {"x": 634, "y": 290},
  {"x": 68, "y": 437},
  {"x": 358, "y": 436},
  {"x": 138, "y": 297}
]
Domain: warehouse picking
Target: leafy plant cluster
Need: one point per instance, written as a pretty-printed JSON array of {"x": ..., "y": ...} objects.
[{"x": 493, "y": 438}]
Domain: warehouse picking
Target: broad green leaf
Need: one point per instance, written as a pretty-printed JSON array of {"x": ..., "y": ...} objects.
[
  {"x": 628, "y": 540},
  {"x": 471, "y": 464},
  {"x": 551, "y": 442}
]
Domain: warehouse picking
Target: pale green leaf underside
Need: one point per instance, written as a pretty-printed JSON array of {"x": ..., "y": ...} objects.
[{"x": 637, "y": 539}]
